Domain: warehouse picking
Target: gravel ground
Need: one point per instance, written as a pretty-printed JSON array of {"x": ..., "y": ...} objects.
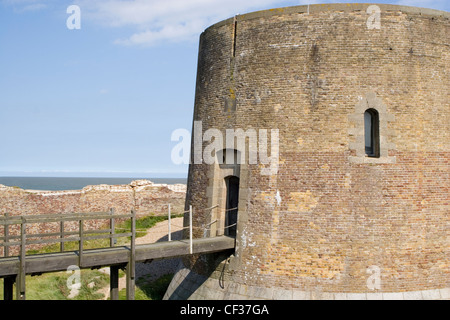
[{"x": 159, "y": 233}]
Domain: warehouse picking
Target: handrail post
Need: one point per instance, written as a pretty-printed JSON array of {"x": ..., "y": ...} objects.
[
  {"x": 20, "y": 285},
  {"x": 169, "y": 231},
  {"x": 61, "y": 235},
  {"x": 131, "y": 267},
  {"x": 80, "y": 248},
  {"x": 6, "y": 234},
  {"x": 190, "y": 230},
  {"x": 112, "y": 228},
  {"x": 133, "y": 240}
]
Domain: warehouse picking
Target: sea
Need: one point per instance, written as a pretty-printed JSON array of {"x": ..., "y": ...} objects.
[{"x": 60, "y": 183}]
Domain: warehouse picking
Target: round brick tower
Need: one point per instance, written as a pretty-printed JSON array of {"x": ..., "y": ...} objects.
[{"x": 343, "y": 187}]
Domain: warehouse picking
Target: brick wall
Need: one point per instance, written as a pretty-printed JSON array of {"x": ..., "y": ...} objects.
[{"x": 312, "y": 76}]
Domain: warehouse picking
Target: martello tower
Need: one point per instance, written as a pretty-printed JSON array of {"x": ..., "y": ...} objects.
[{"x": 355, "y": 102}]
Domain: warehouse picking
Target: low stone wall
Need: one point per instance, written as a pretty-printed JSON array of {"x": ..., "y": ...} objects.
[{"x": 142, "y": 195}]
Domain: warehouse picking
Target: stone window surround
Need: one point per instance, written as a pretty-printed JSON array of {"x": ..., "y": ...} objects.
[
  {"x": 216, "y": 192},
  {"x": 370, "y": 101}
]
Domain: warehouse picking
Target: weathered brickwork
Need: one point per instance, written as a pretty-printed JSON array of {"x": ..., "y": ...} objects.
[{"x": 331, "y": 212}]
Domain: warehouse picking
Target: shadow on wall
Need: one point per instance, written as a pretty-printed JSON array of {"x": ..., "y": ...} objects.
[{"x": 193, "y": 281}]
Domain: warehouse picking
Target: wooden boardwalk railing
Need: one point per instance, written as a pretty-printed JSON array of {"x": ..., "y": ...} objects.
[
  {"x": 23, "y": 239},
  {"x": 15, "y": 268},
  {"x": 63, "y": 236}
]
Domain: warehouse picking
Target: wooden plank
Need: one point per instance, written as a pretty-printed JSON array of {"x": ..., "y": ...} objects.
[
  {"x": 105, "y": 257},
  {"x": 85, "y": 238},
  {"x": 55, "y": 218},
  {"x": 54, "y": 234},
  {"x": 52, "y": 262},
  {"x": 10, "y": 244},
  {"x": 9, "y": 266},
  {"x": 107, "y": 236}
]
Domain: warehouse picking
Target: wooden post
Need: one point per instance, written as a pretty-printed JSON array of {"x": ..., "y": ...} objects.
[
  {"x": 20, "y": 283},
  {"x": 8, "y": 285},
  {"x": 114, "y": 282},
  {"x": 61, "y": 235},
  {"x": 80, "y": 248},
  {"x": 130, "y": 282},
  {"x": 112, "y": 227},
  {"x": 190, "y": 230},
  {"x": 6, "y": 233},
  {"x": 169, "y": 231},
  {"x": 131, "y": 267},
  {"x": 133, "y": 241}
]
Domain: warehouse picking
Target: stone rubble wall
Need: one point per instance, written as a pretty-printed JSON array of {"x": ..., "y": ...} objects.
[{"x": 142, "y": 195}]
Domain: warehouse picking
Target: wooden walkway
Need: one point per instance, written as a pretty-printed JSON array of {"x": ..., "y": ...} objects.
[{"x": 14, "y": 269}]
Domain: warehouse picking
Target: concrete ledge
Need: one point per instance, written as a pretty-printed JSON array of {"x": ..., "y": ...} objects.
[{"x": 211, "y": 290}]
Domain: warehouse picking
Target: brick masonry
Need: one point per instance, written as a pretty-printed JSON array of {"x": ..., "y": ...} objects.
[{"x": 330, "y": 213}]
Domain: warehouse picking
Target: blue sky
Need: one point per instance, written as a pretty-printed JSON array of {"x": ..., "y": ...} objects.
[{"x": 103, "y": 100}]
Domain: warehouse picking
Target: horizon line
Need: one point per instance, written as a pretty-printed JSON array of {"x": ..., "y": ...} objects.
[{"x": 83, "y": 174}]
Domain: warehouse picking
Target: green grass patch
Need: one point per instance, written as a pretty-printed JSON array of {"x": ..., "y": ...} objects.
[
  {"x": 53, "y": 286},
  {"x": 149, "y": 290},
  {"x": 146, "y": 222}
]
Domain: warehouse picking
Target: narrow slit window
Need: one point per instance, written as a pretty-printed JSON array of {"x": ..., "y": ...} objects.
[
  {"x": 232, "y": 199},
  {"x": 371, "y": 133}
]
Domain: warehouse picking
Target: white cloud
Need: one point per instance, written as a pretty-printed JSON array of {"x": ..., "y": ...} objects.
[
  {"x": 170, "y": 20},
  {"x": 25, "y": 5},
  {"x": 173, "y": 31},
  {"x": 158, "y": 21},
  {"x": 34, "y": 7}
]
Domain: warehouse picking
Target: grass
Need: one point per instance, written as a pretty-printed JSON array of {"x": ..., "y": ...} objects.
[
  {"x": 53, "y": 286},
  {"x": 149, "y": 290}
]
